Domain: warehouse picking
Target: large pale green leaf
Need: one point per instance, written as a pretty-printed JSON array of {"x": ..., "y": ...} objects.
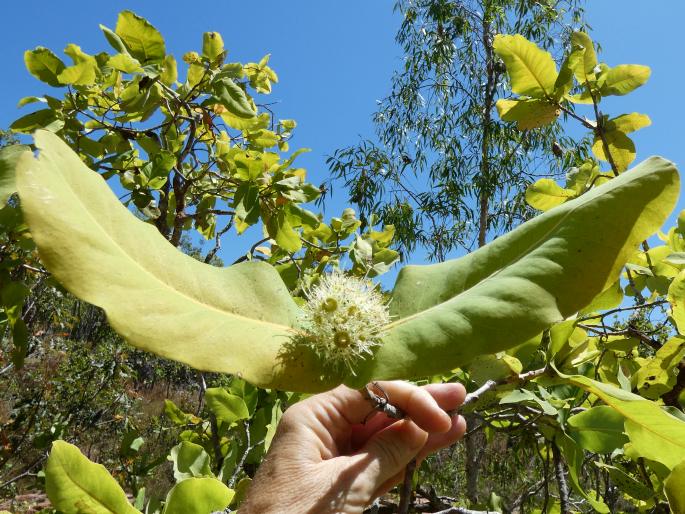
[
  {"x": 142, "y": 40},
  {"x": 654, "y": 433},
  {"x": 674, "y": 487},
  {"x": 518, "y": 285},
  {"x": 624, "y": 78},
  {"x": 9, "y": 156},
  {"x": 76, "y": 485},
  {"x": 233, "y": 320},
  {"x": 198, "y": 496},
  {"x": 532, "y": 70}
]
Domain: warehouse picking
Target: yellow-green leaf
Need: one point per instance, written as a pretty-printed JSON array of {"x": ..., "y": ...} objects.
[
  {"x": 624, "y": 78},
  {"x": 620, "y": 146},
  {"x": 230, "y": 320},
  {"x": 521, "y": 283},
  {"x": 546, "y": 193},
  {"x": 676, "y": 297},
  {"x": 43, "y": 64},
  {"x": 531, "y": 70},
  {"x": 76, "y": 485},
  {"x": 125, "y": 63},
  {"x": 674, "y": 487},
  {"x": 583, "y": 69},
  {"x": 528, "y": 114},
  {"x": 9, "y": 156},
  {"x": 198, "y": 496},
  {"x": 628, "y": 123},
  {"x": 142, "y": 40},
  {"x": 212, "y": 45},
  {"x": 654, "y": 433},
  {"x": 658, "y": 375},
  {"x": 81, "y": 74}
]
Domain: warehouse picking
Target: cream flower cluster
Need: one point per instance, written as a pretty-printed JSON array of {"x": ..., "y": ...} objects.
[{"x": 343, "y": 317}]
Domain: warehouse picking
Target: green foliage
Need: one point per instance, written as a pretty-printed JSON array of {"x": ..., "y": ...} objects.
[
  {"x": 442, "y": 168},
  {"x": 528, "y": 315},
  {"x": 74, "y": 484}
]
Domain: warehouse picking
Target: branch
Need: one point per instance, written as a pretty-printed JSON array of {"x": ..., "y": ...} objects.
[{"x": 561, "y": 480}]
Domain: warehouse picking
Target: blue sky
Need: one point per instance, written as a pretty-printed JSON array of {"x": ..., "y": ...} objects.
[{"x": 335, "y": 59}]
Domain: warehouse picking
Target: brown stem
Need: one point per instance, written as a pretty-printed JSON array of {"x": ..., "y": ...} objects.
[{"x": 561, "y": 480}]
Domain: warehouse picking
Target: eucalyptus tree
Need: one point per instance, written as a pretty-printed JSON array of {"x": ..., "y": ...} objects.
[{"x": 445, "y": 171}]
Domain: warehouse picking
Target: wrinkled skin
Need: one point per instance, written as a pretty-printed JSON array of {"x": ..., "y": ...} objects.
[{"x": 332, "y": 453}]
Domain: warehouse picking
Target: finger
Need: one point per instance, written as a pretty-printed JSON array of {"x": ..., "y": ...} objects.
[
  {"x": 448, "y": 397},
  {"x": 436, "y": 442},
  {"x": 433, "y": 443},
  {"x": 389, "y": 451},
  {"x": 418, "y": 404}
]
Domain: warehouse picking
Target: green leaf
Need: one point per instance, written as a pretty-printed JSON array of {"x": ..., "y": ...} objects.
[
  {"x": 629, "y": 122},
  {"x": 621, "y": 149},
  {"x": 169, "y": 74},
  {"x": 124, "y": 63},
  {"x": 76, "y": 485},
  {"x": 564, "y": 81},
  {"x": 654, "y": 433},
  {"x": 584, "y": 68},
  {"x": 574, "y": 456},
  {"x": 523, "y": 395},
  {"x": 44, "y": 65},
  {"x": 114, "y": 40},
  {"x": 198, "y": 496},
  {"x": 528, "y": 114},
  {"x": 674, "y": 487},
  {"x": 532, "y": 70},
  {"x": 190, "y": 460},
  {"x": 627, "y": 484},
  {"x": 546, "y": 193},
  {"x": 226, "y": 407},
  {"x": 43, "y": 119},
  {"x": 521, "y": 283},
  {"x": 141, "y": 39},
  {"x": 232, "y": 96},
  {"x": 599, "y": 429},
  {"x": 282, "y": 231},
  {"x": 624, "y": 78},
  {"x": 9, "y": 156},
  {"x": 659, "y": 374},
  {"x": 676, "y": 297},
  {"x": 232, "y": 320},
  {"x": 212, "y": 45},
  {"x": 81, "y": 74}
]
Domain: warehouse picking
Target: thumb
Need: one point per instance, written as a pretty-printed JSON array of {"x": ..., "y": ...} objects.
[{"x": 389, "y": 451}]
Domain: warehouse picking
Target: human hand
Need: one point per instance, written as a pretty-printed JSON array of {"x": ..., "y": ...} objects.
[{"x": 332, "y": 453}]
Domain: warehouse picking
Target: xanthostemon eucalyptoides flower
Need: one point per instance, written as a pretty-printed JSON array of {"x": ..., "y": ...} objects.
[{"x": 342, "y": 320}]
